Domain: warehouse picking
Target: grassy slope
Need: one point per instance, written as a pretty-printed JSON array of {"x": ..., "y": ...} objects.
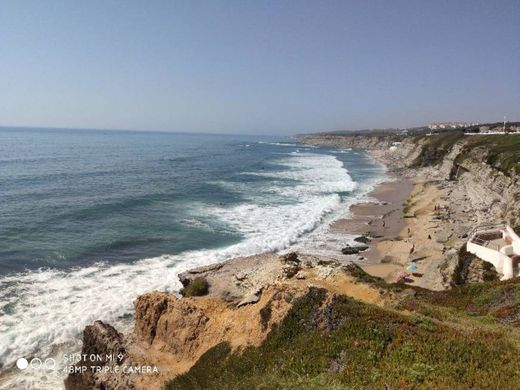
[
  {"x": 500, "y": 151},
  {"x": 454, "y": 339},
  {"x": 436, "y": 147}
]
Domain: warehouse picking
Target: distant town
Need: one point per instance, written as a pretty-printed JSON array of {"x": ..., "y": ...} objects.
[
  {"x": 469, "y": 128},
  {"x": 478, "y": 128}
]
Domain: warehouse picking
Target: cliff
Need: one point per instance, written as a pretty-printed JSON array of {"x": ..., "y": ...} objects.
[
  {"x": 486, "y": 166},
  {"x": 366, "y": 142},
  {"x": 425, "y": 340},
  {"x": 247, "y": 298},
  {"x": 333, "y": 326}
]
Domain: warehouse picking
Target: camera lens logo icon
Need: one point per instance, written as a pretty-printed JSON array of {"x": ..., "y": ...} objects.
[
  {"x": 36, "y": 363},
  {"x": 22, "y": 363},
  {"x": 50, "y": 363}
]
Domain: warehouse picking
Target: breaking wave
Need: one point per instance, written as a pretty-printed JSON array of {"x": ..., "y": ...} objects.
[{"x": 44, "y": 311}]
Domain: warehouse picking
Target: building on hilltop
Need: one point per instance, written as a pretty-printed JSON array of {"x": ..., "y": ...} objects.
[{"x": 450, "y": 125}]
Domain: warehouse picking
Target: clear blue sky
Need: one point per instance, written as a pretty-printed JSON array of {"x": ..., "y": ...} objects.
[{"x": 277, "y": 67}]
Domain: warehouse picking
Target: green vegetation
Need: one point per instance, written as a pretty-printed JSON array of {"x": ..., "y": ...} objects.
[
  {"x": 500, "y": 151},
  {"x": 433, "y": 340},
  {"x": 197, "y": 287},
  {"x": 436, "y": 147},
  {"x": 497, "y": 302},
  {"x": 407, "y": 207}
]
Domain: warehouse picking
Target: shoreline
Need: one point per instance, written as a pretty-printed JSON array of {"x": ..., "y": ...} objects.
[
  {"x": 417, "y": 216},
  {"x": 379, "y": 217}
]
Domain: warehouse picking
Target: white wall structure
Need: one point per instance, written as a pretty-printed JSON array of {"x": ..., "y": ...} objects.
[{"x": 500, "y": 255}]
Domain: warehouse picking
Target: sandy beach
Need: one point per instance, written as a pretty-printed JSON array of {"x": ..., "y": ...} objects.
[
  {"x": 400, "y": 219},
  {"x": 381, "y": 219}
]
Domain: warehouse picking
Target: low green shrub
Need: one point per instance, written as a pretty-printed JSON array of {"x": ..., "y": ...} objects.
[
  {"x": 341, "y": 343},
  {"x": 197, "y": 287}
]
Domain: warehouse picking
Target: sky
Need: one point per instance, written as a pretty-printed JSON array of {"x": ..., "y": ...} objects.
[{"x": 260, "y": 67}]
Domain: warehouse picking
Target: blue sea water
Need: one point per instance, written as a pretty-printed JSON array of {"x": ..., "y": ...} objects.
[{"x": 90, "y": 219}]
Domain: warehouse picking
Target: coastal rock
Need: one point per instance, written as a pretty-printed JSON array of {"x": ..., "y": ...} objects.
[
  {"x": 240, "y": 276},
  {"x": 290, "y": 258},
  {"x": 188, "y": 276},
  {"x": 354, "y": 250},
  {"x": 100, "y": 340},
  {"x": 443, "y": 236},
  {"x": 362, "y": 239},
  {"x": 289, "y": 270},
  {"x": 148, "y": 310},
  {"x": 171, "y": 321},
  {"x": 291, "y": 264},
  {"x": 250, "y": 299}
]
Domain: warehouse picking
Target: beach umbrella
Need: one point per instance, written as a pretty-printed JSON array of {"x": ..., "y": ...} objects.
[{"x": 412, "y": 267}]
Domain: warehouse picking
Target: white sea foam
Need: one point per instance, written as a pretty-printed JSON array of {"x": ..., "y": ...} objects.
[
  {"x": 44, "y": 312},
  {"x": 286, "y": 144}
]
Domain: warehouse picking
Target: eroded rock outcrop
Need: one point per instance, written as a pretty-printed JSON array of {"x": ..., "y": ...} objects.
[
  {"x": 171, "y": 333},
  {"x": 103, "y": 346}
]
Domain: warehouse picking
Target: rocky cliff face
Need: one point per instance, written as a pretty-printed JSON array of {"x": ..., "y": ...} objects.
[
  {"x": 103, "y": 345},
  {"x": 172, "y": 333},
  {"x": 366, "y": 142},
  {"x": 477, "y": 191},
  {"x": 493, "y": 195}
]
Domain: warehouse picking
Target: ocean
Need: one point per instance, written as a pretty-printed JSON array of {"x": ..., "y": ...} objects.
[{"x": 89, "y": 219}]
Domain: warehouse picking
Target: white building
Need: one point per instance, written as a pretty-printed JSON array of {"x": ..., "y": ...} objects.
[
  {"x": 450, "y": 125},
  {"x": 499, "y": 246}
]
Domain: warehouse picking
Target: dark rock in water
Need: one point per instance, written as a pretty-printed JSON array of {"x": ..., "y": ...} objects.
[
  {"x": 348, "y": 250},
  {"x": 362, "y": 239},
  {"x": 354, "y": 250}
]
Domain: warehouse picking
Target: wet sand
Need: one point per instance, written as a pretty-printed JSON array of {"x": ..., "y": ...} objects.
[
  {"x": 400, "y": 240},
  {"x": 383, "y": 221}
]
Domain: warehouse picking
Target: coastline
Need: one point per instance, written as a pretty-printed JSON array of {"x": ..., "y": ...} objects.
[
  {"x": 417, "y": 217},
  {"x": 248, "y": 266},
  {"x": 380, "y": 218},
  {"x": 239, "y": 289}
]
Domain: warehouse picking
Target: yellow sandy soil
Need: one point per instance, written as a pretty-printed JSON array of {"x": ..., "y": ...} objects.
[{"x": 238, "y": 326}]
